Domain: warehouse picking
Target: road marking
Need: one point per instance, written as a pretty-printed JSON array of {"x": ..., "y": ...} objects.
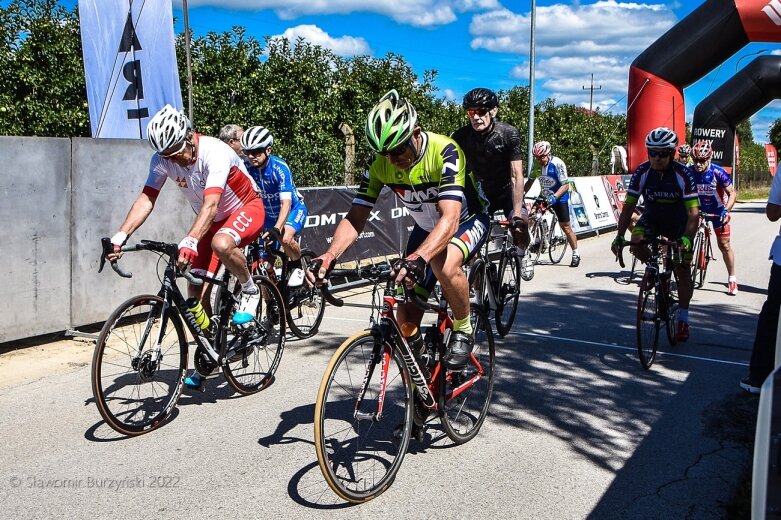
[{"x": 634, "y": 349}]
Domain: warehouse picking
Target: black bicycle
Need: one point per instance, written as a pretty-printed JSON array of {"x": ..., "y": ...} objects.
[
  {"x": 141, "y": 353},
  {"x": 702, "y": 250},
  {"x": 380, "y": 385},
  {"x": 496, "y": 284},
  {"x": 545, "y": 236},
  {"x": 657, "y": 301}
]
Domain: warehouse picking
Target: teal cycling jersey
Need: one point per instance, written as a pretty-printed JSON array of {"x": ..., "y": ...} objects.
[{"x": 438, "y": 174}]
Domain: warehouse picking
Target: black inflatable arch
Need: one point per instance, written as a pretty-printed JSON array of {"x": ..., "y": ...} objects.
[{"x": 743, "y": 95}]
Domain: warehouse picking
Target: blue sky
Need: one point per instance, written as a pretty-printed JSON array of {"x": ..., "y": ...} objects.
[{"x": 485, "y": 42}]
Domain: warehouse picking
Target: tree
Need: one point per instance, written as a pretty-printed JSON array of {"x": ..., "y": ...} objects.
[{"x": 774, "y": 134}]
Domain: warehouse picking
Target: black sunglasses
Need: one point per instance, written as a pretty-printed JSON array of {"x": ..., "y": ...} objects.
[
  {"x": 398, "y": 151},
  {"x": 658, "y": 153}
]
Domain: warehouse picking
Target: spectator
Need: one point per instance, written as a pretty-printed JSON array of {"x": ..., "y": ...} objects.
[{"x": 231, "y": 135}]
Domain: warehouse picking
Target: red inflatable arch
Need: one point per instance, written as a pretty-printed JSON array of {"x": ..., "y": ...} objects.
[{"x": 695, "y": 46}]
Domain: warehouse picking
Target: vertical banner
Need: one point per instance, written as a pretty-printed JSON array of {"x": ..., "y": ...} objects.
[
  {"x": 772, "y": 158},
  {"x": 616, "y": 193},
  {"x": 578, "y": 216},
  {"x": 129, "y": 64}
]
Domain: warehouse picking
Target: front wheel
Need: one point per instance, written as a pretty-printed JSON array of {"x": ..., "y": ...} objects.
[
  {"x": 363, "y": 418},
  {"x": 139, "y": 365},
  {"x": 509, "y": 291},
  {"x": 557, "y": 240},
  {"x": 305, "y": 305},
  {"x": 648, "y": 320},
  {"x": 466, "y": 394},
  {"x": 698, "y": 254},
  {"x": 537, "y": 242},
  {"x": 256, "y": 348}
]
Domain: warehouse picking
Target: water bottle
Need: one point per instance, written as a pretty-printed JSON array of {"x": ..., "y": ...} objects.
[
  {"x": 194, "y": 306},
  {"x": 412, "y": 333}
]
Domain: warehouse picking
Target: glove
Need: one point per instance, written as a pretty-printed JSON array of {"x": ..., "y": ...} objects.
[
  {"x": 686, "y": 243},
  {"x": 119, "y": 240},
  {"x": 617, "y": 244},
  {"x": 320, "y": 267},
  {"x": 415, "y": 266},
  {"x": 519, "y": 223},
  {"x": 552, "y": 200},
  {"x": 724, "y": 216},
  {"x": 273, "y": 233},
  {"x": 188, "y": 250}
]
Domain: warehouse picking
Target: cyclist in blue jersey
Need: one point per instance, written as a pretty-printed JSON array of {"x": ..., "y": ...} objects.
[
  {"x": 717, "y": 197},
  {"x": 427, "y": 172},
  {"x": 671, "y": 210},
  {"x": 285, "y": 209},
  {"x": 554, "y": 184}
]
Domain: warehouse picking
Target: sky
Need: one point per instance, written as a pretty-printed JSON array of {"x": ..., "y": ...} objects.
[{"x": 486, "y": 42}]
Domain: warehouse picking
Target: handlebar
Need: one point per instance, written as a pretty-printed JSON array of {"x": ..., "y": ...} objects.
[
  {"x": 170, "y": 250},
  {"x": 644, "y": 241}
]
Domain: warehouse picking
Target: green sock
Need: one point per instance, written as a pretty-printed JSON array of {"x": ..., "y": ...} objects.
[{"x": 464, "y": 325}]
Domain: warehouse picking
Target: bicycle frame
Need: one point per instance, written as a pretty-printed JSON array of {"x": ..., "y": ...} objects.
[{"x": 491, "y": 273}]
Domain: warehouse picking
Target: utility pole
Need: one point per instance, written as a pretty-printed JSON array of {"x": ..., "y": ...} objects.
[{"x": 592, "y": 88}]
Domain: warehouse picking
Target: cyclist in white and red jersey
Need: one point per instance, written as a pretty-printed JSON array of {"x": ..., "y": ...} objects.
[
  {"x": 222, "y": 194},
  {"x": 717, "y": 197}
]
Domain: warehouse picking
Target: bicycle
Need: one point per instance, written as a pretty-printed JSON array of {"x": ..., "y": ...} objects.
[
  {"x": 376, "y": 388},
  {"x": 141, "y": 354},
  {"x": 702, "y": 250},
  {"x": 495, "y": 290},
  {"x": 304, "y": 305},
  {"x": 657, "y": 300},
  {"x": 545, "y": 236}
]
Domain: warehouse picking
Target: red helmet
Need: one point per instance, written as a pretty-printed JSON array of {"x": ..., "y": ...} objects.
[
  {"x": 541, "y": 149},
  {"x": 702, "y": 151}
]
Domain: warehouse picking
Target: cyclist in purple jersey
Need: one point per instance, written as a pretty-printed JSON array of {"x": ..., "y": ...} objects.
[
  {"x": 671, "y": 210},
  {"x": 717, "y": 197}
]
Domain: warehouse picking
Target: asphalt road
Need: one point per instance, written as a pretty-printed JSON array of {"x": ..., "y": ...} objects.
[{"x": 576, "y": 429}]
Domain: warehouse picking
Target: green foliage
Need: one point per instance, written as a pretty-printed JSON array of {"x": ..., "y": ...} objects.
[
  {"x": 42, "y": 87},
  {"x": 774, "y": 134}
]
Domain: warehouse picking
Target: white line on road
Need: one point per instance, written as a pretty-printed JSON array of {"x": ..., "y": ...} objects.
[{"x": 621, "y": 347}]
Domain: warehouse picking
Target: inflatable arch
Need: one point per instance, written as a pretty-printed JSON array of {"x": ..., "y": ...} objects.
[
  {"x": 696, "y": 45},
  {"x": 716, "y": 117}
]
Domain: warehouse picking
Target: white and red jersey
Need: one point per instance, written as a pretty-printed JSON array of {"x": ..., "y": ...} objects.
[{"x": 217, "y": 169}]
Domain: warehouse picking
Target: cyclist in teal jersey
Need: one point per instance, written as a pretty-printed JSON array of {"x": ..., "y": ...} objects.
[{"x": 427, "y": 172}]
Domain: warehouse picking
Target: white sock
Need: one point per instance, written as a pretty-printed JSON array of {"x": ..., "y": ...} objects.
[
  {"x": 575, "y": 252},
  {"x": 249, "y": 287},
  {"x": 732, "y": 278}
]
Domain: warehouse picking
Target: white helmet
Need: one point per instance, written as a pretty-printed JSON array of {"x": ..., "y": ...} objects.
[
  {"x": 541, "y": 149},
  {"x": 256, "y": 138},
  {"x": 661, "y": 138},
  {"x": 167, "y": 128}
]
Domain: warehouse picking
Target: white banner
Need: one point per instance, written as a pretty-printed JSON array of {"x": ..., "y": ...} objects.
[
  {"x": 595, "y": 201},
  {"x": 129, "y": 63}
]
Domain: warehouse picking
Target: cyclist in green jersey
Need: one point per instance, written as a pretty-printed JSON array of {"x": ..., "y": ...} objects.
[{"x": 427, "y": 172}]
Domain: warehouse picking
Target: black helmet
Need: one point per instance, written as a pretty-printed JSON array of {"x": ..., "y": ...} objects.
[{"x": 481, "y": 98}]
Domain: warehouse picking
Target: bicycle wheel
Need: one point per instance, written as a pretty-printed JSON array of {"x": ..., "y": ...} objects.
[
  {"x": 139, "y": 365},
  {"x": 671, "y": 323},
  {"x": 557, "y": 240},
  {"x": 648, "y": 321},
  {"x": 360, "y": 454},
  {"x": 509, "y": 292},
  {"x": 634, "y": 269},
  {"x": 466, "y": 394},
  {"x": 305, "y": 305},
  {"x": 537, "y": 242},
  {"x": 707, "y": 254},
  {"x": 259, "y": 347},
  {"x": 698, "y": 251}
]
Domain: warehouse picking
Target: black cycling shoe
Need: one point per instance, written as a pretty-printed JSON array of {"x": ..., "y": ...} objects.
[
  {"x": 418, "y": 432},
  {"x": 458, "y": 354}
]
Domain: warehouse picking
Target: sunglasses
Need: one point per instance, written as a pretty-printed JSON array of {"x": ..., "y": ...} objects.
[
  {"x": 658, "y": 153},
  {"x": 700, "y": 161},
  {"x": 255, "y": 151},
  {"x": 176, "y": 154},
  {"x": 398, "y": 151},
  {"x": 472, "y": 112}
]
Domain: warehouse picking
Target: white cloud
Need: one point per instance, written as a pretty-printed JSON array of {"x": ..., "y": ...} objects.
[
  {"x": 449, "y": 94},
  {"x": 418, "y": 13},
  {"x": 341, "y": 46}
]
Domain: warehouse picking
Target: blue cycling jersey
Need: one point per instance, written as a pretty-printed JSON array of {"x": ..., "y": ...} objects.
[
  {"x": 712, "y": 188},
  {"x": 275, "y": 183},
  {"x": 552, "y": 177}
]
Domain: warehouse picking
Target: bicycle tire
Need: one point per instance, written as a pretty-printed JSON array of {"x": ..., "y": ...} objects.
[
  {"x": 359, "y": 458},
  {"x": 707, "y": 255},
  {"x": 463, "y": 415},
  {"x": 647, "y": 321},
  {"x": 261, "y": 345},
  {"x": 508, "y": 293},
  {"x": 557, "y": 241},
  {"x": 537, "y": 243},
  {"x": 671, "y": 323},
  {"x": 697, "y": 251},
  {"x": 156, "y": 384},
  {"x": 305, "y": 305}
]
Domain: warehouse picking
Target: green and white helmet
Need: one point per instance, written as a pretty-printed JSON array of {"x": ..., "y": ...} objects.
[{"x": 390, "y": 123}]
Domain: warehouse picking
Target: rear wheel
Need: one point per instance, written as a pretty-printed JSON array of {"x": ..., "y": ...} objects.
[
  {"x": 648, "y": 321},
  {"x": 476, "y": 279},
  {"x": 256, "y": 348},
  {"x": 360, "y": 450},
  {"x": 139, "y": 365},
  {"x": 305, "y": 305},
  {"x": 509, "y": 292},
  {"x": 558, "y": 241}
]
